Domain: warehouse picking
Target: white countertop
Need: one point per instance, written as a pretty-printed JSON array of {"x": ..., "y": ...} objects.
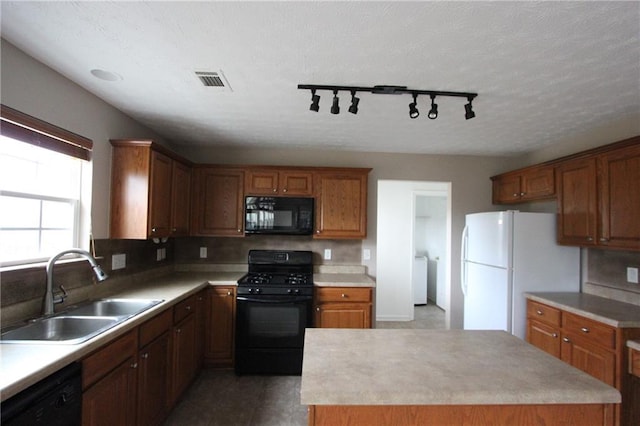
[
  {"x": 438, "y": 367},
  {"x": 607, "y": 311},
  {"x": 343, "y": 280}
]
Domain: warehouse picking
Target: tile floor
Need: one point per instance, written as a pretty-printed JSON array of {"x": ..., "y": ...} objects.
[{"x": 219, "y": 397}]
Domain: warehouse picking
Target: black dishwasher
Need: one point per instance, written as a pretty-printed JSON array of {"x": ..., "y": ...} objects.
[{"x": 53, "y": 401}]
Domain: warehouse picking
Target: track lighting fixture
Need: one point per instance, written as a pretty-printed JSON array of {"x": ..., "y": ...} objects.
[
  {"x": 353, "y": 109},
  {"x": 468, "y": 112},
  {"x": 335, "y": 108},
  {"x": 387, "y": 90},
  {"x": 413, "y": 110},
  {"x": 315, "y": 101},
  {"x": 433, "y": 112}
]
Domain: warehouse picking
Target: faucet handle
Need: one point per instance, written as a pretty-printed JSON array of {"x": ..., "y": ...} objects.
[{"x": 60, "y": 298}]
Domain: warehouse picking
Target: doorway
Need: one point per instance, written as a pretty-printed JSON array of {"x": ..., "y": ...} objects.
[{"x": 414, "y": 221}]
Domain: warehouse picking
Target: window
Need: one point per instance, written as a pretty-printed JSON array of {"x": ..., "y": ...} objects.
[{"x": 41, "y": 194}]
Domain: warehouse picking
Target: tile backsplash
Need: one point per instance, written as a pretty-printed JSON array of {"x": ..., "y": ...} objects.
[{"x": 607, "y": 274}]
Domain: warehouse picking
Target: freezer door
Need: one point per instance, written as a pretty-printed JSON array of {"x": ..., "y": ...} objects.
[
  {"x": 487, "y": 303},
  {"x": 488, "y": 238}
]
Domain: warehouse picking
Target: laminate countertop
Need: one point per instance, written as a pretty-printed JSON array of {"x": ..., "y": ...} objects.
[
  {"x": 342, "y": 280},
  {"x": 607, "y": 311},
  {"x": 438, "y": 367},
  {"x": 23, "y": 364}
]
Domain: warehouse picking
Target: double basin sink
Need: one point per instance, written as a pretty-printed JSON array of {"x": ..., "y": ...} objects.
[{"x": 79, "y": 324}]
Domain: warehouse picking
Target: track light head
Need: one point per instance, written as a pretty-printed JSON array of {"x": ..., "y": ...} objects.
[
  {"x": 315, "y": 101},
  {"x": 335, "y": 108},
  {"x": 413, "y": 110},
  {"x": 353, "y": 109},
  {"x": 468, "y": 111},
  {"x": 433, "y": 112}
]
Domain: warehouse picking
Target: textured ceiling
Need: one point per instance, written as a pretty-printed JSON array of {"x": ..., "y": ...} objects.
[{"x": 543, "y": 70}]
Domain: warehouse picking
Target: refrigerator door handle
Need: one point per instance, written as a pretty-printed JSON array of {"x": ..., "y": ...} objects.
[{"x": 463, "y": 266}]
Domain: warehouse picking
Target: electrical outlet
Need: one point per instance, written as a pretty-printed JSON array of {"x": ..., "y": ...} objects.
[
  {"x": 366, "y": 254},
  {"x": 158, "y": 255},
  {"x": 163, "y": 252},
  {"x": 327, "y": 254},
  {"x": 118, "y": 261},
  {"x": 632, "y": 275},
  {"x": 203, "y": 252}
]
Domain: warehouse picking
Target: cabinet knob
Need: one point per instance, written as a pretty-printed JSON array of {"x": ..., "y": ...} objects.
[
  {"x": 239, "y": 230},
  {"x": 134, "y": 365},
  {"x": 589, "y": 238},
  {"x": 515, "y": 194},
  {"x": 318, "y": 231},
  {"x": 284, "y": 190},
  {"x": 604, "y": 240},
  {"x": 188, "y": 308},
  {"x": 317, "y": 309},
  {"x": 554, "y": 335},
  {"x": 174, "y": 229},
  {"x": 343, "y": 295},
  {"x": 145, "y": 355},
  {"x": 154, "y": 230},
  {"x": 539, "y": 312},
  {"x": 228, "y": 293},
  {"x": 566, "y": 340},
  {"x": 275, "y": 190},
  {"x": 178, "y": 330},
  {"x": 584, "y": 329},
  {"x": 522, "y": 194}
]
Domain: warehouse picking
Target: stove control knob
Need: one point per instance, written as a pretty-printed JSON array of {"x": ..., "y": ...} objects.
[
  {"x": 250, "y": 291},
  {"x": 258, "y": 291},
  {"x": 289, "y": 291},
  {"x": 296, "y": 291}
]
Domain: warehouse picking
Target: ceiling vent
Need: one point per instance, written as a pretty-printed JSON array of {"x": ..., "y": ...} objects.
[{"x": 213, "y": 79}]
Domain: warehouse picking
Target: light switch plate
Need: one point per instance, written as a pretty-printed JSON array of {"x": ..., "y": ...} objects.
[
  {"x": 118, "y": 261},
  {"x": 158, "y": 255},
  {"x": 327, "y": 254},
  {"x": 366, "y": 254},
  {"x": 632, "y": 275},
  {"x": 203, "y": 252}
]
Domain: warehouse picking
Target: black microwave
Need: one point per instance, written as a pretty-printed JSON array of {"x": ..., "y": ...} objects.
[{"x": 278, "y": 215}]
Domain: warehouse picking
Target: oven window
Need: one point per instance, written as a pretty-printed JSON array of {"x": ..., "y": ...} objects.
[{"x": 274, "y": 321}]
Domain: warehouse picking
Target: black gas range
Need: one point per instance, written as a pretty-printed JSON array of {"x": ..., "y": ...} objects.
[{"x": 273, "y": 309}]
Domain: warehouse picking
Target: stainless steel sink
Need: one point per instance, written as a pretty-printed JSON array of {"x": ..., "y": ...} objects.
[
  {"x": 78, "y": 324},
  {"x": 113, "y": 308},
  {"x": 61, "y": 329}
]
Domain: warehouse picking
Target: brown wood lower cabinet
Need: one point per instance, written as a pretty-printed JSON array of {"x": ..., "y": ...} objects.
[
  {"x": 109, "y": 378},
  {"x": 343, "y": 307},
  {"x": 596, "y": 348},
  {"x": 184, "y": 364},
  {"x": 221, "y": 326}
]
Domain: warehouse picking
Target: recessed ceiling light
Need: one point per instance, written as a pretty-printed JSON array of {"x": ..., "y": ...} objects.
[{"x": 106, "y": 75}]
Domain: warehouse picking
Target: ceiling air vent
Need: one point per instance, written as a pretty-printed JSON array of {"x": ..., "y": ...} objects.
[{"x": 213, "y": 79}]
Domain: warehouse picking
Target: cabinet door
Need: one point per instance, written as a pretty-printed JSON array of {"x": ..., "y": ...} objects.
[
  {"x": 343, "y": 315},
  {"x": 261, "y": 182},
  {"x": 218, "y": 209},
  {"x": 296, "y": 183},
  {"x": 160, "y": 195},
  {"x": 184, "y": 365},
  {"x": 202, "y": 314},
  {"x": 593, "y": 360},
  {"x": 620, "y": 198},
  {"x": 544, "y": 337},
  {"x": 341, "y": 208},
  {"x": 180, "y": 199},
  {"x": 577, "y": 202},
  {"x": 153, "y": 381},
  {"x": 111, "y": 400},
  {"x": 506, "y": 189},
  {"x": 538, "y": 183},
  {"x": 221, "y": 326}
]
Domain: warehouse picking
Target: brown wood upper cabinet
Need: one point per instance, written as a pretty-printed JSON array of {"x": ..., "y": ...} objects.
[
  {"x": 529, "y": 184},
  {"x": 599, "y": 200},
  {"x": 280, "y": 182},
  {"x": 341, "y": 203},
  {"x": 150, "y": 191},
  {"x": 218, "y": 201}
]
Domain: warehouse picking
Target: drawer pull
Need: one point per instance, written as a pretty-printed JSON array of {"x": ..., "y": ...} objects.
[
  {"x": 539, "y": 312},
  {"x": 566, "y": 339},
  {"x": 144, "y": 355},
  {"x": 134, "y": 365},
  {"x": 584, "y": 329}
]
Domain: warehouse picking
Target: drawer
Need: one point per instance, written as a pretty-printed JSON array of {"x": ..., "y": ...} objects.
[
  {"x": 101, "y": 362},
  {"x": 634, "y": 362},
  {"x": 543, "y": 313},
  {"x": 184, "y": 309},
  {"x": 343, "y": 294},
  {"x": 153, "y": 328},
  {"x": 592, "y": 331}
]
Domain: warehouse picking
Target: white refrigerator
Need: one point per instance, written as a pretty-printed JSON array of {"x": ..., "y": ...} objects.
[{"x": 506, "y": 254}]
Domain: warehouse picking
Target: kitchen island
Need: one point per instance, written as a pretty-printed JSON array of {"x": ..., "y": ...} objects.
[{"x": 411, "y": 377}]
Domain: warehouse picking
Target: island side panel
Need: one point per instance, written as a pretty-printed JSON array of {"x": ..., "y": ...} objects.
[{"x": 477, "y": 415}]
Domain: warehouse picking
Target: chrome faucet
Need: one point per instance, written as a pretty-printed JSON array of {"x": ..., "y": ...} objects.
[{"x": 49, "y": 299}]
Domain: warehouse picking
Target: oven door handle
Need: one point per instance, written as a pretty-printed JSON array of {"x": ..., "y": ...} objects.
[{"x": 278, "y": 300}]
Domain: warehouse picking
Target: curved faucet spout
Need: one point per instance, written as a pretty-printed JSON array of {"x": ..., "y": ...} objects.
[{"x": 49, "y": 300}]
